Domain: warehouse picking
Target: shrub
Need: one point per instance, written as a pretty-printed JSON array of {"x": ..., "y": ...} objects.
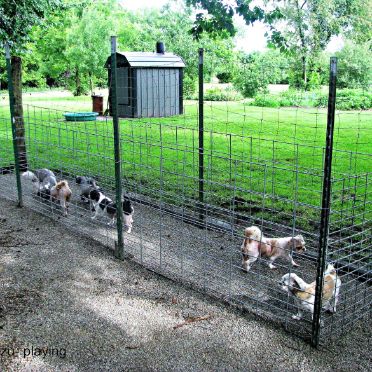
[
  {"x": 284, "y": 99},
  {"x": 218, "y": 94},
  {"x": 265, "y": 100},
  {"x": 189, "y": 87},
  {"x": 224, "y": 77},
  {"x": 348, "y": 99}
]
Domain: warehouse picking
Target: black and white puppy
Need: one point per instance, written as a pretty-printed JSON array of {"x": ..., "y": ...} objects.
[
  {"x": 86, "y": 184},
  {"x": 42, "y": 180},
  {"x": 103, "y": 205}
]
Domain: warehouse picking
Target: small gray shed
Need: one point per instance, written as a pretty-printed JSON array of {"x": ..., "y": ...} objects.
[{"x": 149, "y": 84}]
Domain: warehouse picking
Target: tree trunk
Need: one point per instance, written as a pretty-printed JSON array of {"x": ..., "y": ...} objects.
[
  {"x": 304, "y": 74},
  {"x": 16, "y": 63},
  {"x": 78, "y": 90},
  {"x": 91, "y": 83}
]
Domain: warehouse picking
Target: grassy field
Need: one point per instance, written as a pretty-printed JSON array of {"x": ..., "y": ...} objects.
[{"x": 269, "y": 159}]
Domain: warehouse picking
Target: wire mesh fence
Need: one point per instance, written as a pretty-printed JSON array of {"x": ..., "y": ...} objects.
[{"x": 198, "y": 179}]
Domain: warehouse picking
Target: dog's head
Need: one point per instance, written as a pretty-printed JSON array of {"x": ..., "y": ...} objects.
[
  {"x": 94, "y": 195},
  {"x": 61, "y": 184},
  {"x": 330, "y": 270},
  {"x": 127, "y": 206},
  {"x": 89, "y": 181},
  {"x": 31, "y": 176},
  {"x": 297, "y": 243},
  {"x": 289, "y": 283}
]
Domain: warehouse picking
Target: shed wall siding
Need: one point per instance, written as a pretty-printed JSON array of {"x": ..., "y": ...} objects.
[{"x": 157, "y": 92}]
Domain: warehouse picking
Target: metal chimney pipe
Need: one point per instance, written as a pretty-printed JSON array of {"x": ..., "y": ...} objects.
[{"x": 160, "y": 47}]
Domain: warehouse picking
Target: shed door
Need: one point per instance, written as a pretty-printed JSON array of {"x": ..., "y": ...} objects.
[{"x": 123, "y": 86}]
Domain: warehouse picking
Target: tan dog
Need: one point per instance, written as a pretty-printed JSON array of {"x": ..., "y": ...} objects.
[
  {"x": 255, "y": 244},
  {"x": 62, "y": 192},
  {"x": 304, "y": 294}
]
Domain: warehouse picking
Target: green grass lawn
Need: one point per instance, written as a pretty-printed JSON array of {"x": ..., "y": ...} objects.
[{"x": 271, "y": 158}]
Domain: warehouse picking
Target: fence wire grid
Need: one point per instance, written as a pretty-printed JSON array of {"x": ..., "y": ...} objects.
[{"x": 196, "y": 180}]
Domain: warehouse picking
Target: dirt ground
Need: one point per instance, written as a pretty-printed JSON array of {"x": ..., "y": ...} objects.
[{"x": 67, "y": 304}]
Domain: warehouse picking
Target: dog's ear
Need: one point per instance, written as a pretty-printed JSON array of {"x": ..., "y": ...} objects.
[
  {"x": 330, "y": 269},
  {"x": 78, "y": 180}
]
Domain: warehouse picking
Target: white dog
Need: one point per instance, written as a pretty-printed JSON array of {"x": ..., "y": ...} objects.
[
  {"x": 304, "y": 294},
  {"x": 42, "y": 180},
  {"x": 255, "y": 244}
]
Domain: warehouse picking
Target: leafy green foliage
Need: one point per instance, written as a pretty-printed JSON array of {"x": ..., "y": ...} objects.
[
  {"x": 19, "y": 17},
  {"x": 355, "y": 66},
  {"x": 348, "y": 99},
  {"x": 308, "y": 26},
  {"x": 257, "y": 70},
  {"x": 224, "y": 77},
  {"x": 220, "y": 94}
]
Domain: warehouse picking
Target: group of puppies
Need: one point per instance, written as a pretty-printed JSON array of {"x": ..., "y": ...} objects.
[
  {"x": 46, "y": 186},
  {"x": 255, "y": 244},
  {"x": 101, "y": 204}
]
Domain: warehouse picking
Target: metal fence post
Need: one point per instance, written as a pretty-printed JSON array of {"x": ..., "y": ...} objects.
[
  {"x": 119, "y": 248},
  {"x": 326, "y": 201},
  {"x": 201, "y": 136},
  {"x": 14, "y": 129}
]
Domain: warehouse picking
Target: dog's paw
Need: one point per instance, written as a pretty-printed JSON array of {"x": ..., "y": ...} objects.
[
  {"x": 331, "y": 310},
  {"x": 272, "y": 267},
  {"x": 296, "y": 317},
  {"x": 295, "y": 264}
]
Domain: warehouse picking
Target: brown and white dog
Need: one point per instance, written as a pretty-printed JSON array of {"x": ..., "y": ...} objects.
[
  {"x": 255, "y": 245},
  {"x": 61, "y": 192},
  {"x": 304, "y": 294}
]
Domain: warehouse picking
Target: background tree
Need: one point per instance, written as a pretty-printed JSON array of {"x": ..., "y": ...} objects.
[
  {"x": 301, "y": 28},
  {"x": 257, "y": 70},
  {"x": 355, "y": 66},
  {"x": 17, "y": 18},
  {"x": 87, "y": 45}
]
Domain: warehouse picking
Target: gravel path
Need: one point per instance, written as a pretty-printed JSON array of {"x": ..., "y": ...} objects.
[{"x": 67, "y": 293}]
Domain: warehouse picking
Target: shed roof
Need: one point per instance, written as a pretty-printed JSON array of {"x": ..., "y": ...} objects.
[{"x": 146, "y": 59}]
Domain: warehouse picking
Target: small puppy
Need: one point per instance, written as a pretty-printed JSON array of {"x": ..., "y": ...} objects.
[
  {"x": 86, "y": 184},
  {"x": 255, "y": 244},
  {"x": 42, "y": 179},
  {"x": 304, "y": 294},
  {"x": 103, "y": 205},
  {"x": 61, "y": 192}
]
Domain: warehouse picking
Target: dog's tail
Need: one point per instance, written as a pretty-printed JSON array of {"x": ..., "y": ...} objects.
[
  {"x": 253, "y": 233},
  {"x": 30, "y": 176}
]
